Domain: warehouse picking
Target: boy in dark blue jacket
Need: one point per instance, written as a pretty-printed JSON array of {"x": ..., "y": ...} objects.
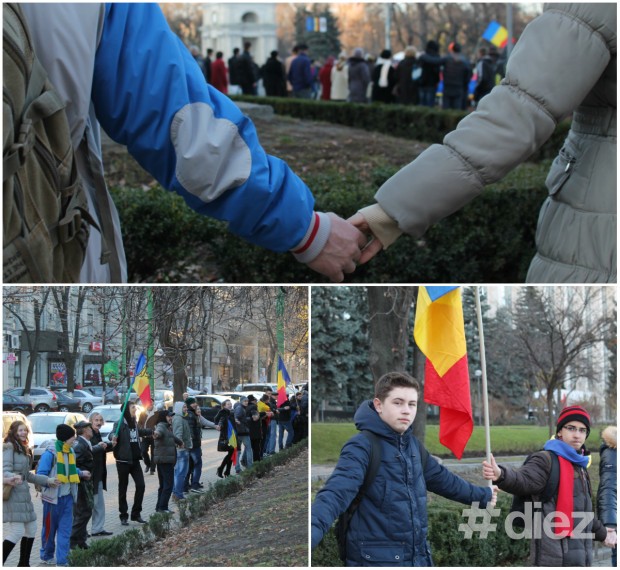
[{"x": 390, "y": 526}]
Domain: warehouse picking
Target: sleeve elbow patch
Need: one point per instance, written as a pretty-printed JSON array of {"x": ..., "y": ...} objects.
[{"x": 211, "y": 156}]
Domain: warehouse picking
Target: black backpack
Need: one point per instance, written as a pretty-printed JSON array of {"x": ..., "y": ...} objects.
[
  {"x": 343, "y": 521},
  {"x": 551, "y": 489}
]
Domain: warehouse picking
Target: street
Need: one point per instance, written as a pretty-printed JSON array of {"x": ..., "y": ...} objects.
[{"x": 211, "y": 459}]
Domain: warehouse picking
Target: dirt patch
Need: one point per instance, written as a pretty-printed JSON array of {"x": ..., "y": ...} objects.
[{"x": 266, "y": 524}]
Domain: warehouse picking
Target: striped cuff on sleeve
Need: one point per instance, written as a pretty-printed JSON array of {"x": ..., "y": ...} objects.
[{"x": 315, "y": 238}]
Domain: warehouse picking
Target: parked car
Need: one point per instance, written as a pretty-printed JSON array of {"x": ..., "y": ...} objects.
[
  {"x": 234, "y": 396},
  {"x": 111, "y": 413},
  {"x": 12, "y": 403},
  {"x": 87, "y": 400},
  {"x": 43, "y": 400},
  {"x": 68, "y": 404},
  {"x": 163, "y": 398},
  {"x": 111, "y": 395},
  {"x": 210, "y": 404},
  {"x": 43, "y": 426},
  {"x": 261, "y": 387},
  {"x": 122, "y": 391}
]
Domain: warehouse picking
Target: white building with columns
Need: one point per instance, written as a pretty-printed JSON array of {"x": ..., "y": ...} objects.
[{"x": 226, "y": 26}]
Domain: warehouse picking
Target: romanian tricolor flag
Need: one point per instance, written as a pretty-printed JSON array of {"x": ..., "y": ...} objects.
[
  {"x": 283, "y": 382},
  {"x": 439, "y": 332},
  {"x": 496, "y": 34},
  {"x": 232, "y": 441},
  {"x": 141, "y": 384}
]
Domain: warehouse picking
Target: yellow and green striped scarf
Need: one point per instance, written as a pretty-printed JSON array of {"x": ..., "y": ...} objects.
[{"x": 61, "y": 449}]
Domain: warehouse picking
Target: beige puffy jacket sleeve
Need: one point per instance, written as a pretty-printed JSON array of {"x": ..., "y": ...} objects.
[{"x": 555, "y": 64}]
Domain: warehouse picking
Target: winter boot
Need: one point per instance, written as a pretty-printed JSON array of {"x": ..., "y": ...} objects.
[
  {"x": 7, "y": 547},
  {"x": 24, "y": 551}
]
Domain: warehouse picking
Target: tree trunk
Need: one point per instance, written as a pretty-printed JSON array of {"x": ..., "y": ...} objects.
[
  {"x": 419, "y": 425},
  {"x": 389, "y": 312}
]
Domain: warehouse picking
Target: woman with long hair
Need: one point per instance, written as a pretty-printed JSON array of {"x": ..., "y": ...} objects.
[
  {"x": 18, "y": 516},
  {"x": 224, "y": 418}
]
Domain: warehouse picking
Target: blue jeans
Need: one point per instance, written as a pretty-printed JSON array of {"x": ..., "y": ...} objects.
[
  {"x": 180, "y": 471},
  {"x": 56, "y": 529},
  {"x": 427, "y": 96},
  {"x": 246, "y": 457},
  {"x": 288, "y": 426},
  {"x": 196, "y": 455},
  {"x": 271, "y": 438}
]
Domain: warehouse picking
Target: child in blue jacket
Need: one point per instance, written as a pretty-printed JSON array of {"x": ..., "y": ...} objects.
[{"x": 390, "y": 525}]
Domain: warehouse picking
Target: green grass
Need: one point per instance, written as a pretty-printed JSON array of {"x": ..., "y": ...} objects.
[{"x": 328, "y": 439}]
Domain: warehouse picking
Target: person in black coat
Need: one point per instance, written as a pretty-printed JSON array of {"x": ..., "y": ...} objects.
[
  {"x": 223, "y": 417},
  {"x": 246, "y": 71},
  {"x": 408, "y": 74},
  {"x": 383, "y": 79},
  {"x": 274, "y": 77},
  {"x": 127, "y": 453},
  {"x": 255, "y": 427},
  {"x": 99, "y": 475},
  {"x": 83, "y": 507}
]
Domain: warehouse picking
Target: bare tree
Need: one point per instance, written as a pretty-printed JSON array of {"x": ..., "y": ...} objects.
[{"x": 556, "y": 329}]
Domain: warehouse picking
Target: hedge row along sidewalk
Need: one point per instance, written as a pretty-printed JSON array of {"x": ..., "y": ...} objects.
[{"x": 133, "y": 545}]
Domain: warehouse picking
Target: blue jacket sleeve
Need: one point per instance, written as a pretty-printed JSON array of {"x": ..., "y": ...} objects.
[
  {"x": 341, "y": 488},
  {"x": 150, "y": 95},
  {"x": 45, "y": 463},
  {"x": 445, "y": 483}
]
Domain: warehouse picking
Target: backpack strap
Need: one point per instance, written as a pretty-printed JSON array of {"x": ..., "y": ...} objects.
[
  {"x": 553, "y": 483},
  {"x": 371, "y": 471}
]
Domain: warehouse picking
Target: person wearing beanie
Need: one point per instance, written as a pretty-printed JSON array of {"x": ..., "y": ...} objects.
[
  {"x": 359, "y": 77},
  {"x": 192, "y": 478},
  {"x": 128, "y": 452},
  {"x": 430, "y": 62},
  {"x": 562, "y": 543},
  {"x": 606, "y": 499},
  {"x": 58, "y": 461},
  {"x": 383, "y": 79}
]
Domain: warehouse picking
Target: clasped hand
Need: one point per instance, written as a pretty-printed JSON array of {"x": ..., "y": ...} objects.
[{"x": 347, "y": 246}]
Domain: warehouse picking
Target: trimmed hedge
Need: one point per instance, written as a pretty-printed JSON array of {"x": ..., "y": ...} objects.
[
  {"x": 448, "y": 546},
  {"x": 406, "y": 121},
  {"x": 130, "y": 544},
  {"x": 491, "y": 240}
]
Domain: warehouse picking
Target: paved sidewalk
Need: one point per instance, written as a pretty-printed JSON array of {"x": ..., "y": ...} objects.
[{"x": 211, "y": 460}]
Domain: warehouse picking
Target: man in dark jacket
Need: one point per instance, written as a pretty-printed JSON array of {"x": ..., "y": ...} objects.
[
  {"x": 233, "y": 73},
  {"x": 195, "y": 453},
  {"x": 300, "y": 74},
  {"x": 456, "y": 75},
  {"x": 607, "y": 500},
  {"x": 285, "y": 423},
  {"x": 147, "y": 420},
  {"x": 430, "y": 62},
  {"x": 565, "y": 544},
  {"x": 255, "y": 427},
  {"x": 245, "y": 71},
  {"x": 83, "y": 507},
  {"x": 390, "y": 525},
  {"x": 127, "y": 453},
  {"x": 246, "y": 458},
  {"x": 99, "y": 475},
  {"x": 485, "y": 74},
  {"x": 274, "y": 77}
]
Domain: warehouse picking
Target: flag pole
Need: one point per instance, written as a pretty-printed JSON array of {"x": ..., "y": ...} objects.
[{"x": 483, "y": 366}]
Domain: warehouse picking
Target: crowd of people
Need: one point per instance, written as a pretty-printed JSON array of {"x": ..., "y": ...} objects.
[
  {"x": 414, "y": 78},
  {"x": 71, "y": 473}
]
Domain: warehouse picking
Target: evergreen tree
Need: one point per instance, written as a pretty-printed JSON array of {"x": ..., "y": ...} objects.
[
  {"x": 340, "y": 372},
  {"x": 320, "y": 44}
]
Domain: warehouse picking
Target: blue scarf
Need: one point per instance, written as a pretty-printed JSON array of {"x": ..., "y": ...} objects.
[{"x": 564, "y": 450}]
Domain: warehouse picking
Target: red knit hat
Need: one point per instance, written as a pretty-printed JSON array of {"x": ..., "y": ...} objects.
[{"x": 573, "y": 413}]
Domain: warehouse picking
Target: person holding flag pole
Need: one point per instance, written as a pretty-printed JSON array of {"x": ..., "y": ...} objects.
[{"x": 127, "y": 450}]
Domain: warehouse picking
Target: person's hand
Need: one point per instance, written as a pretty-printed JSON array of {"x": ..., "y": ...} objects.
[
  {"x": 53, "y": 482},
  {"x": 612, "y": 538},
  {"x": 85, "y": 475},
  {"x": 341, "y": 252},
  {"x": 104, "y": 445},
  {"x": 491, "y": 471},
  {"x": 493, "y": 501},
  {"x": 373, "y": 246}
]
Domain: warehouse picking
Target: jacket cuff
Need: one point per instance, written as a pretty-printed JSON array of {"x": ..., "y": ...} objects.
[
  {"x": 382, "y": 226},
  {"x": 314, "y": 239}
]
